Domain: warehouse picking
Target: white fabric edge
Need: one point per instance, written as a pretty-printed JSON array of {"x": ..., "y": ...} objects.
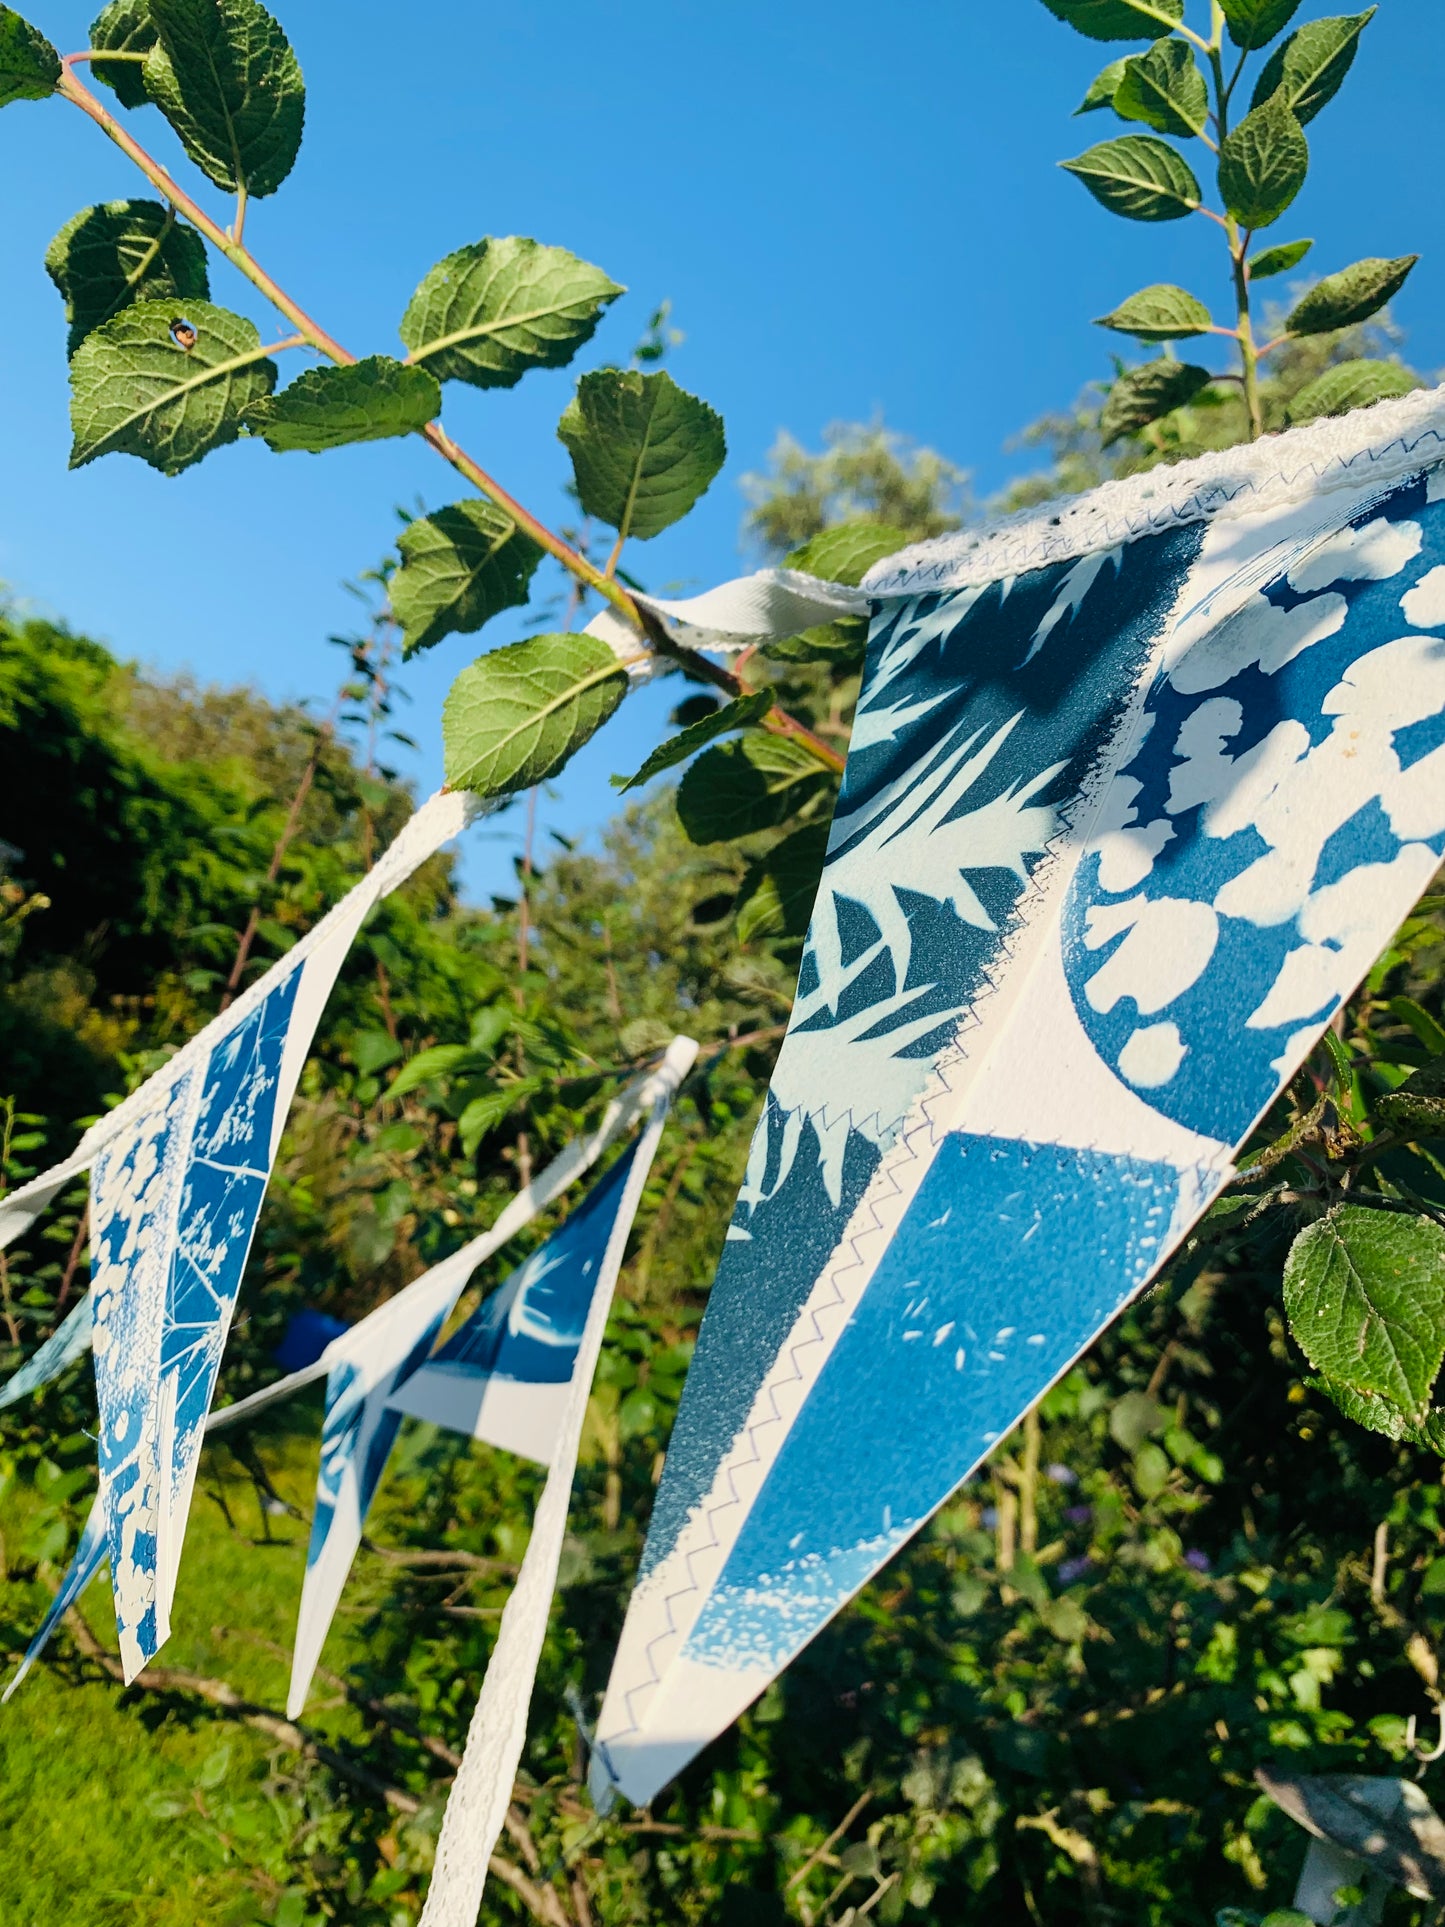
[
  {"x": 482, "y": 1791},
  {"x": 1380, "y": 444}
]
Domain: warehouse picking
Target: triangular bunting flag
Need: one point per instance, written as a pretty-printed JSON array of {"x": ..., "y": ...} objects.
[
  {"x": 177, "y": 1176},
  {"x": 1137, "y": 791},
  {"x": 366, "y": 1367},
  {"x": 589, "y": 1251}
]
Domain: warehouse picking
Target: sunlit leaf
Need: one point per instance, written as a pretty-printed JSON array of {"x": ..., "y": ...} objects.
[
  {"x": 490, "y": 311},
  {"x": 459, "y": 567},
  {"x": 1142, "y": 178},
  {"x": 168, "y": 382},
  {"x": 643, "y": 450},
  {"x": 329, "y": 407},
  {"x": 517, "y": 715}
]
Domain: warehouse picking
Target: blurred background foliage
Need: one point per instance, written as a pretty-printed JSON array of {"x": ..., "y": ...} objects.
[{"x": 1048, "y": 1709}]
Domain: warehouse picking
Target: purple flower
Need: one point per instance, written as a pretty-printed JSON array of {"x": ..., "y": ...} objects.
[
  {"x": 989, "y": 1515},
  {"x": 1073, "y": 1569},
  {"x": 1197, "y": 1559},
  {"x": 1061, "y": 1475},
  {"x": 1078, "y": 1515}
]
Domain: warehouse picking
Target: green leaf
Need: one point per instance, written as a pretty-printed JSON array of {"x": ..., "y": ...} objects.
[
  {"x": 778, "y": 892},
  {"x": 753, "y": 784},
  {"x": 366, "y": 401},
  {"x": 1352, "y": 295},
  {"x": 1118, "y": 19},
  {"x": 1142, "y": 178},
  {"x": 846, "y": 553},
  {"x": 1165, "y": 89},
  {"x": 1254, "y": 23},
  {"x": 492, "y": 1107},
  {"x": 1417, "y": 1107},
  {"x": 138, "y": 388},
  {"x": 1365, "y": 1294},
  {"x": 124, "y": 27},
  {"x": 1263, "y": 163},
  {"x": 643, "y": 450},
  {"x": 1147, "y": 394},
  {"x": 490, "y": 311},
  {"x": 1160, "y": 313},
  {"x": 1280, "y": 260},
  {"x": 1406, "y": 1011},
  {"x": 440, "y": 1060},
  {"x": 1351, "y": 384},
  {"x": 841, "y": 642},
  {"x": 223, "y": 74},
  {"x": 29, "y": 65},
  {"x": 459, "y": 568},
  {"x": 1102, "y": 88},
  {"x": 1310, "y": 67},
  {"x": 738, "y": 714},
  {"x": 516, "y": 716},
  {"x": 107, "y": 257}
]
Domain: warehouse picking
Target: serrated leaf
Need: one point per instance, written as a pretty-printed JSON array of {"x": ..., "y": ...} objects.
[
  {"x": 135, "y": 389},
  {"x": 491, "y": 1108},
  {"x": 846, "y": 553},
  {"x": 1139, "y": 177},
  {"x": 1160, "y": 313},
  {"x": 841, "y": 642},
  {"x": 490, "y": 311},
  {"x": 643, "y": 450},
  {"x": 1417, "y": 1107},
  {"x": 1118, "y": 19},
  {"x": 738, "y": 714},
  {"x": 1376, "y": 1414},
  {"x": 1310, "y": 67},
  {"x": 119, "y": 252},
  {"x": 29, "y": 65},
  {"x": 439, "y": 1060},
  {"x": 1254, "y": 23},
  {"x": 1263, "y": 163},
  {"x": 778, "y": 892},
  {"x": 1365, "y": 1294},
  {"x": 1165, "y": 89},
  {"x": 1101, "y": 88},
  {"x": 224, "y": 75},
  {"x": 365, "y": 401},
  {"x": 1147, "y": 394},
  {"x": 516, "y": 716},
  {"x": 459, "y": 568},
  {"x": 1351, "y": 384},
  {"x": 1279, "y": 260},
  {"x": 753, "y": 784},
  {"x": 1352, "y": 295},
  {"x": 124, "y": 27}
]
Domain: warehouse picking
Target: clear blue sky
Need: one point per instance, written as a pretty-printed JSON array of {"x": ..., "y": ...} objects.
[{"x": 853, "y": 209}]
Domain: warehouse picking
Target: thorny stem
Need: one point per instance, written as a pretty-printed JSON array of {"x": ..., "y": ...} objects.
[{"x": 71, "y": 88}]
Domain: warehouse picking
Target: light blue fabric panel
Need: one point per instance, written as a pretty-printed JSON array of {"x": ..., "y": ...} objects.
[{"x": 1012, "y": 1258}]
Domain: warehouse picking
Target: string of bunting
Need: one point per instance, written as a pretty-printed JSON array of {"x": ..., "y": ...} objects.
[{"x": 1116, "y": 767}]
